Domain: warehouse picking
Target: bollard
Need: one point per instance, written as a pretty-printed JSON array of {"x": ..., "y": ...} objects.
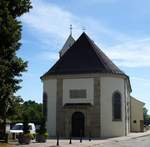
[
  {"x": 90, "y": 136},
  {"x": 70, "y": 141},
  {"x": 81, "y": 136},
  {"x": 57, "y": 139}
]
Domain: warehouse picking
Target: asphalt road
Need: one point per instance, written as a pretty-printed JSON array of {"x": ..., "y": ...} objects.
[{"x": 138, "y": 142}]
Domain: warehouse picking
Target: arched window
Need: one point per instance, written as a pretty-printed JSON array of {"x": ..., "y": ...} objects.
[{"x": 116, "y": 106}]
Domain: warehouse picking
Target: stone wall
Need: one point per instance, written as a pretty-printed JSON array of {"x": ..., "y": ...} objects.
[
  {"x": 59, "y": 108},
  {"x": 91, "y": 112}
]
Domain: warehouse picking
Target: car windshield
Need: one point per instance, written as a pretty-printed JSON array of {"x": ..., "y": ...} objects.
[
  {"x": 20, "y": 127},
  {"x": 17, "y": 127}
]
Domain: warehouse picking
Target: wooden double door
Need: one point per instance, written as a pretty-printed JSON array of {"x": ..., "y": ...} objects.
[{"x": 78, "y": 124}]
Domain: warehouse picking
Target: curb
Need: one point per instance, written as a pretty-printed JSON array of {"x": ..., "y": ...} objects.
[
  {"x": 125, "y": 138},
  {"x": 141, "y": 136}
]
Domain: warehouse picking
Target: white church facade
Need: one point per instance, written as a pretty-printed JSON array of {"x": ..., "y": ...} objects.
[{"x": 85, "y": 93}]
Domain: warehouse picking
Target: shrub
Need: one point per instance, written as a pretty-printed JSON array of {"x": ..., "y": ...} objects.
[{"x": 42, "y": 130}]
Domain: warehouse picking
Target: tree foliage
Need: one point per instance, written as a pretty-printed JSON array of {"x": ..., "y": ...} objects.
[
  {"x": 11, "y": 66},
  {"x": 146, "y": 116},
  {"x": 33, "y": 111},
  {"x": 28, "y": 110},
  {"x": 42, "y": 129},
  {"x": 14, "y": 111}
]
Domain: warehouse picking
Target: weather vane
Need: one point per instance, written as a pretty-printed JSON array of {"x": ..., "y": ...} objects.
[{"x": 83, "y": 28}]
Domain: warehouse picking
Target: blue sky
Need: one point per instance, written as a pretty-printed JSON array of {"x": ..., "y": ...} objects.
[{"x": 120, "y": 28}]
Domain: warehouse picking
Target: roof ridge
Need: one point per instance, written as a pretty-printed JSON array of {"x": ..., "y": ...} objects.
[
  {"x": 98, "y": 52},
  {"x": 95, "y": 50}
]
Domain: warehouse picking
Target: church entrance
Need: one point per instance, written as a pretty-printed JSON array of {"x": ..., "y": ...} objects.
[{"x": 77, "y": 124}]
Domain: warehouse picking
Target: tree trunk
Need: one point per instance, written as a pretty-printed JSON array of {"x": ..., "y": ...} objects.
[{"x": 4, "y": 120}]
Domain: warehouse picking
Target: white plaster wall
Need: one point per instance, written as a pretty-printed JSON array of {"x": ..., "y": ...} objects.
[
  {"x": 136, "y": 114},
  {"x": 83, "y": 83},
  {"x": 110, "y": 128},
  {"x": 49, "y": 87}
]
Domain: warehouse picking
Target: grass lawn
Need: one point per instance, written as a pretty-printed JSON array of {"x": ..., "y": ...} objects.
[{"x": 5, "y": 145}]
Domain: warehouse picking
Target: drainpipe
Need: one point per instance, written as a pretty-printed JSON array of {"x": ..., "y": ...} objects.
[{"x": 125, "y": 108}]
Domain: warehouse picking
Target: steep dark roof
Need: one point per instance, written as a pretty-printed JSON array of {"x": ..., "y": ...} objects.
[{"x": 84, "y": 57}]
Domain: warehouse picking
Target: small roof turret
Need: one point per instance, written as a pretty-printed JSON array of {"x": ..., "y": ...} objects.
[{"x": 70, "y": 41}]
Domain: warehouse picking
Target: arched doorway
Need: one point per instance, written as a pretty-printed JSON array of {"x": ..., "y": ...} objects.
[{"x": 77, "y": 124}]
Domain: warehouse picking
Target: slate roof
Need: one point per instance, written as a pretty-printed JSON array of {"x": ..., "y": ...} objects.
[
  {"x": 69, "y": 42},
  {"x": 84, "y": 56}
]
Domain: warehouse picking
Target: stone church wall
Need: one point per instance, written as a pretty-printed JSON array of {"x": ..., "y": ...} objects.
[
  {"x": 97, "y": 111},
  {"x": 91, "y": 112}
]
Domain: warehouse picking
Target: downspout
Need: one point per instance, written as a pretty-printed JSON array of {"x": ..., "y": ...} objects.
[{"x": 125, "y": 107}]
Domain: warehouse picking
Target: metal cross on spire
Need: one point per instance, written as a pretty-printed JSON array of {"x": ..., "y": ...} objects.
[{"x": 71, "y": 29}]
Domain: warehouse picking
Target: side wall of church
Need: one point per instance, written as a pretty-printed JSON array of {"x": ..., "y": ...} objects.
[
  {"x": 49, "y": 87},
  {"x": 109, "y": 127}
]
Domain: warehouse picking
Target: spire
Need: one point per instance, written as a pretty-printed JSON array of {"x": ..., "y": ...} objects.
[{"x": 69, "y": 42}]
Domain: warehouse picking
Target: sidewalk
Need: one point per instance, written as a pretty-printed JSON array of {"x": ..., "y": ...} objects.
[
  {"x": 85, "y": 143},
  {"x": 129, "y": 136}
]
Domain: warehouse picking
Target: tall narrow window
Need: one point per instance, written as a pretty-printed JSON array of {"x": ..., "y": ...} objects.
[{"x": 116, "y": 105}]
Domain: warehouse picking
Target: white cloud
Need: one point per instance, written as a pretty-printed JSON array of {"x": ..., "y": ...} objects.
[
  {"x": 49, "y": 19},
  {"x": 50, "y": 24},
  {"x": 52, "y": 20},
  {"x": 100, "y": 1},
  {"x": 142, "y": 81},
  {"x": 131, "y": 54},
  {"x": 48, "y": 56}
]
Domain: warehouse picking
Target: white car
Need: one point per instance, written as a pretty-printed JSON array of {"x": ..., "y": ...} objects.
[{"x": 18, "y": 128}]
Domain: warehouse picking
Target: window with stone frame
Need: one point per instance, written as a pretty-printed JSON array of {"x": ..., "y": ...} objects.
[
  {"x": 116, "y": 106},
  {"x": 77, "y": 93}
]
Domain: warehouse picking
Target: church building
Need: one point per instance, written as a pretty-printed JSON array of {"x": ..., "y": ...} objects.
[{"x": 85, "y": 93}]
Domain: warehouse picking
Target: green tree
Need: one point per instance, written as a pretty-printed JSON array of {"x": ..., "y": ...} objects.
[
  {"x": 15, "y": 111},
  {"x": 33, "y": 111},
  {"x": 146, "y": 116},
  {"x": 30, "y": 110},
  {"x": 11, "y": 66}
]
